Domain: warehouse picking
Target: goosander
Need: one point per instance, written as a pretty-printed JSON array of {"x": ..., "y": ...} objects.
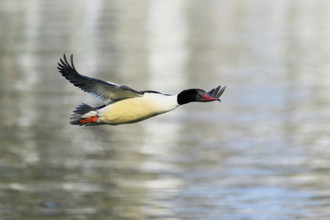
[{"x": 122, "y": 104}]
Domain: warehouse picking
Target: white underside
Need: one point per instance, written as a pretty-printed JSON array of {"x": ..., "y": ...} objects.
[{"x": 137, "y": 109}]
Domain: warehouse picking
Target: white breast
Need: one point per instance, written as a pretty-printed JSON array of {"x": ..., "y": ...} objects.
[{"x": 137, "y": 109}]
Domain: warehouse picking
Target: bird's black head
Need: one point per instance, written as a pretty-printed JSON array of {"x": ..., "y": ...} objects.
[{"x": 195, "y": 95}]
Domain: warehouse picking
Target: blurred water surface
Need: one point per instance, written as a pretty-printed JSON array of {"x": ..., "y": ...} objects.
[{"x": 262, "y": 153}]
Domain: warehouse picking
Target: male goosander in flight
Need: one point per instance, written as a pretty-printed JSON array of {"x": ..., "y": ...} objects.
[{"x": 123, "y": 105}]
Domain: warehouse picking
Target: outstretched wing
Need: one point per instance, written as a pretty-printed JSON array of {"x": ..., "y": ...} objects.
[
  {"x": 106, "y": 91},
  {"x": 216, "y": 92}
]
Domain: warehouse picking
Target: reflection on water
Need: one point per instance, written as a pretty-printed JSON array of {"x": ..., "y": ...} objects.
[{"x": 261, "y": 154}]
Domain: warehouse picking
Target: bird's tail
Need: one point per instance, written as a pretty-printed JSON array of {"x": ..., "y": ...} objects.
[{"x": 84, "y": 115}]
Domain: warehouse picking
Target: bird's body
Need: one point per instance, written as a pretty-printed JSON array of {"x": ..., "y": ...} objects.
[
  {"x": 137, "y": 109},
  {"x": 124, "y": 105}
]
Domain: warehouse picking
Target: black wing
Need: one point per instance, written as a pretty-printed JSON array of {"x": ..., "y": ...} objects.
[
  {"x": 216, "y": 92},
  {"x": 106, "y": 91}
]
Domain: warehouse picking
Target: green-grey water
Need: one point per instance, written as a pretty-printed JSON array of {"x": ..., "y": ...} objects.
[{"x": 262, "y": 153}]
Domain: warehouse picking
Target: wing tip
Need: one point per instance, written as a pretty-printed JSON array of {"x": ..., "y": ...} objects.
[
  {"x": 217, "y": 92},
  {"x": 221, "y": 91},
  {"x": 64, "y": 66}
]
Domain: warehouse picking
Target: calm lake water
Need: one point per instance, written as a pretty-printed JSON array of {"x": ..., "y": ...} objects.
[{"x": 262, "y": 153}]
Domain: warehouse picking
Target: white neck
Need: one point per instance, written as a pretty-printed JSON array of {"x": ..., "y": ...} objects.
[{"x": 164, "y": 102}]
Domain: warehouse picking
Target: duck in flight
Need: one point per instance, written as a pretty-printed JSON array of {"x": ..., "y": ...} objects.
[{"x": 123, "y": 105}]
